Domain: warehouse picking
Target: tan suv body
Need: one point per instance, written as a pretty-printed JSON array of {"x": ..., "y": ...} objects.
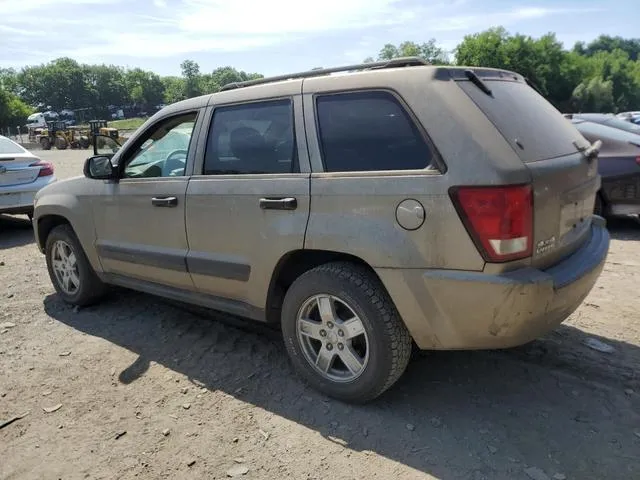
[{"x": 401, "y": 202}]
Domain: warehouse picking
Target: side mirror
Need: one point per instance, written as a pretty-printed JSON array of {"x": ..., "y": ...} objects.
[
  {"x": 99, "y": 167},
  {"x": 104, "y": 145}
]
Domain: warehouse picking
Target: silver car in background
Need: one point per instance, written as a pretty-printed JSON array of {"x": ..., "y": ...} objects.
[{"x": 22, "y": 174}]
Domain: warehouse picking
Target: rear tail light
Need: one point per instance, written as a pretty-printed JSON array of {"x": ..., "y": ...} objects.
[
  {"x": 499, "y": 219},
  {"x": 638, "y": 161},
  {"x": 46, "y": 168}
]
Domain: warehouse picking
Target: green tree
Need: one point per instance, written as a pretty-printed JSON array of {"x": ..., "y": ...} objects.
[
  {"x": 428, "y": 50},
  {"x": 225, "y": 75},
  {"x": 594, "y": 95},
  {"x": 607, "y": 43},
  {"x": 145, "y": 88},
  {"x": 623, "y": 74},
  {"x": 543, "y": 61},
  {"x": 174, "y": 89},
  {"x": 13, "y": 111},
  {"x": 484, "y": 49},
  {"x": 192, "y": 78},
  {"x": 9, "y": 80},
  {"x": 105, "y": 86},
  {"x": 60, "y": 84}
]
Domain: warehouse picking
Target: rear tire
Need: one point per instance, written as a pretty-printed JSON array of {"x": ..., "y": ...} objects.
[
  {"x": 317, "y": 347},
  {"x": 45, "y": 143},
  {"x": 61, "y": 143},
  {"x": 69, "y": 269},
  {"x": 598, "y": 208}
]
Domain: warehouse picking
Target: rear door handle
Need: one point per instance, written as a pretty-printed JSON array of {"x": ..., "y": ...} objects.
[
  {"x": 164, "y": 201},
  {"x": 280, "y": 203}
]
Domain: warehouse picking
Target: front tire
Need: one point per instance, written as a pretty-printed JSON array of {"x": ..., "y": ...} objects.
[
  {"x": 343, "y": 334},
  {"x": 69, "y": 269}
]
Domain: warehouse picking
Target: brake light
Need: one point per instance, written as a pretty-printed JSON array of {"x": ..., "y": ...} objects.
[
  {"x": 499, "y": 219},
  {"x": 46, "y": 168},
  {"x": 638, "y": 161}
]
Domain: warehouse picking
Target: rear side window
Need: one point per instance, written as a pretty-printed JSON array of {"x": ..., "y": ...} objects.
[
  {"x": 531, "y": 125},
  {"x": 369, "y": 131},
  {"x": 252, "y": 138}
]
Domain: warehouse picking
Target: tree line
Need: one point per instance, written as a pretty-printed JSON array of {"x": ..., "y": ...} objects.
[{"x": 601, "y": 76}]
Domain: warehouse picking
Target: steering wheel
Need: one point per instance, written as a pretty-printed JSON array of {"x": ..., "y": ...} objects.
[{"x": 172, "y": 165}]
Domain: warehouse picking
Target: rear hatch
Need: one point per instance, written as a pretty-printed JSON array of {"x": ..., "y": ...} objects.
[
  {"x": 564, "y": 180},
  {"x": 17, "y": 169}
]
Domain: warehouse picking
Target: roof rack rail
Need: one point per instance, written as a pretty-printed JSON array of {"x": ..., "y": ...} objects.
[{"x": 393, "y": 63}]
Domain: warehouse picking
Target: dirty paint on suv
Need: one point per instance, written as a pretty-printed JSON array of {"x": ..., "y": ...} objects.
[{"x": 394, "y": 204}]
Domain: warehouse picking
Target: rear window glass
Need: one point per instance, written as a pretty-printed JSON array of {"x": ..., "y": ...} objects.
[
  {"x": 531, "y": 125},
  {"x": 369, "y": 131},
  {"x": 9, "y": 147}
]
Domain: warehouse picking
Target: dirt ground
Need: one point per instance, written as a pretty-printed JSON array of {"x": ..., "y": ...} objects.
[{"x": 150, "y": 390}]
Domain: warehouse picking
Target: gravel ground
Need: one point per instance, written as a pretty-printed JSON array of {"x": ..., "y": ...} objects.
[{"x": 144, "y": 388}]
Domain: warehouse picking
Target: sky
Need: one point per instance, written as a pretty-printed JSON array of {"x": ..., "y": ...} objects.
[{"x": 279, "y": 36}]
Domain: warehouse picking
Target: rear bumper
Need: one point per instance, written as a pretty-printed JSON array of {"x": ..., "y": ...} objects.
[
  {"x": 445, "y": 309},
  {"x": 19, "y": 198}
]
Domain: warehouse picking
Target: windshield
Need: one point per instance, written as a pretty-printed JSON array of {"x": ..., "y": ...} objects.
[{"x": 9, "y": 147}]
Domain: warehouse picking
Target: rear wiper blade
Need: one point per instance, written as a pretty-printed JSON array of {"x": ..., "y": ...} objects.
[{"x": 477, "y": 81}]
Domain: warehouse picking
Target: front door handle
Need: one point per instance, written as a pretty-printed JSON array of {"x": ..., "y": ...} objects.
[
  {"x": 280, "y": 203},
  {"x": 164, "y": 201}
]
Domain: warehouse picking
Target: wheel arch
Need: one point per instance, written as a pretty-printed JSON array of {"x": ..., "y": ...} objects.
[
  {"x": 45, "y": 224},
  {"x": 295, "y": 263},
  {"x": 47, "y": 217}
]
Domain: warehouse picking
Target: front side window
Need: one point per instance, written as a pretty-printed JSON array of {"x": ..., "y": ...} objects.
[
  {"x": 164, "y": 150},
  {"x": 252, "y": 138},
  {"x": 369, "y": 131}
]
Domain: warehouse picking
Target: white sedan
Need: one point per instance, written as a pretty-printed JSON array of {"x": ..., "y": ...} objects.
[{"x": 22, "y": 174}]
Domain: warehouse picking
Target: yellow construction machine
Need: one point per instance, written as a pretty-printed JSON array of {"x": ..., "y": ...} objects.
[{"x": 59, "y": 135}]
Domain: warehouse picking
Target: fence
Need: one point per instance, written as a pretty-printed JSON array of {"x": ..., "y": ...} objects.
[{"x": 12, "y": 133}]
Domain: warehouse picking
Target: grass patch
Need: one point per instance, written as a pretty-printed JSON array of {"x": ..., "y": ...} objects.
[{"x": 127, "y": 123}]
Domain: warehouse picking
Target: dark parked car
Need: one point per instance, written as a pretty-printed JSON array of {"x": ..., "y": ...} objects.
[
  {"x": 618, "y": 165},
  {"x": 608, "y": 119}
]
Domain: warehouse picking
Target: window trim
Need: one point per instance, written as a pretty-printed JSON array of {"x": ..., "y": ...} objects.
[
  {"x": 437, "y": 159},
  {"x": 257, "y": 101},
  {"x": 124, "y": 156}
]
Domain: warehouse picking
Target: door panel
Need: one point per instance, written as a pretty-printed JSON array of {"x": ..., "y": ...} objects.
[
  {"x": 140, "y": 219},
  {"x": 234, "y": 243},
  {"x": 248, "y": 203},
  {"x": 140, "y": 240}
]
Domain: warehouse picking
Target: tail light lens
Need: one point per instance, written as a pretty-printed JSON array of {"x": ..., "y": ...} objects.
[
  {"x": 638, "y": 161},
  {"x": 46, "y": 168},
  {"x": 499, "y": 219}
]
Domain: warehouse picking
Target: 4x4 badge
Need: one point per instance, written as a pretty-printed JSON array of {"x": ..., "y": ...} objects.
[{"x": 544, "y": 246}]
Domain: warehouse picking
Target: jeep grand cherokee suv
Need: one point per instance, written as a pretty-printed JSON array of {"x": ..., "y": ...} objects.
[{"x": 395, "y": 203}]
